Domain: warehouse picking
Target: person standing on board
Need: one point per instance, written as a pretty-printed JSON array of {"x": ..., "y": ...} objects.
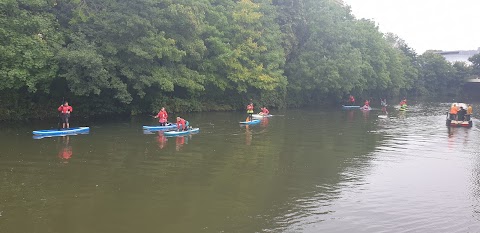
[
  {"x": 351, "y": 100},
  {"x": 383, "y": 102},
  {"x": 162, "y": 117},
  {"x": 250, "y": 111},
  {"x": 461, "y": 114},
  {"x": 182, "y": 124},
  {"x": 469, "y": 112},
  {"x": 453, "y": 112},
  {"x": 65, "y": 111}
]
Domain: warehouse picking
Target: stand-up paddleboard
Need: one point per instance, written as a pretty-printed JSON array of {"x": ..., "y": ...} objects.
[
  {"x": 382, "y": 116},
  {"x": 350, "y": 107},
  {"x": 261, "y": 116},
  {"x": 250, "y": 122},
  {"x": 158, "y": 127},
  {"x": 178, "y": 133},
  {"x": 61, "y": 132},
  {"x": 365, "y": 108}
]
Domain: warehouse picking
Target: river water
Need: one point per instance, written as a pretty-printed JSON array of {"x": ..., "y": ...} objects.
[{"x": 299, "y": 171}]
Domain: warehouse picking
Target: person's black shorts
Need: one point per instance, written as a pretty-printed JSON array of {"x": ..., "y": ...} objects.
[
  {"x": 452, "y": 116},
  {"x": 64, "y": 117}
]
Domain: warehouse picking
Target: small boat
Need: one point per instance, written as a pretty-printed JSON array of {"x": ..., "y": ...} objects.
[
  {"x": 61, "y": 132},
  {"x": 350, "y": 107},
  {"x": 454, "y": 121},
  {"x": 178, "y": 133},
  {"x": 250, "y": 122},
  {"x": 261, "y": 116},
  {"x": 158, "y": 127}
]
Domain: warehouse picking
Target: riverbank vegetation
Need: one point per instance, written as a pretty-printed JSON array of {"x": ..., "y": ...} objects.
[{"x": 132, "y": 57}]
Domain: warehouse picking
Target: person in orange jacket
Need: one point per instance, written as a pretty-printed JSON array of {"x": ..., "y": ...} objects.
[{"x": 453, "y": 112}]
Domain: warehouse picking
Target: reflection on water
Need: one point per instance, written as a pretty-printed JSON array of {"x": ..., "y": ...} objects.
[
  {"x": 66, "y": 151},
  {"x": 162, "y": 140},
  {"x": 305, "y": 171}
]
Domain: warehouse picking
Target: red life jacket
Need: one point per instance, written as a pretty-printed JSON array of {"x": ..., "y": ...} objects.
[
  {"x": 181, "y": 122},
  {"x": 162, "y": 115},
  {"x": 65, "y": 109}
]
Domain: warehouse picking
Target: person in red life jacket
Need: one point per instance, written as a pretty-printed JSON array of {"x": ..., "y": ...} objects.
[
  {"x": 65, "y": 111},
  {"x": 265, "y": 111},
  {"x": 351, "y": 100},
  {"x": 182, "y": 124},
  {"x": 367, "y": 103},
  {"x": 250, "y": 111},
  {"x": 162, "y": 117},
  {"x": 366, "y": 106}
]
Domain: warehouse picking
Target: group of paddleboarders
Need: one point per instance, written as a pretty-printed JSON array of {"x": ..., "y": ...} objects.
[
  {"x": 65, "y": 110},
  {"x": 182, "y": 124},
  {"x": 383, "y": 103},
  {"x": 458, "y": 113},
  {"x": 250, "y": 111}
]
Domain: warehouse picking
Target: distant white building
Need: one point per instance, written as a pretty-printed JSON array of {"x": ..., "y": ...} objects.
[{"x": 459, "y": 55}]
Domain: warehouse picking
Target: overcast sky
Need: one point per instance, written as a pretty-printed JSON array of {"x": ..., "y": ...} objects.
[{"x": 425, "y": 24}]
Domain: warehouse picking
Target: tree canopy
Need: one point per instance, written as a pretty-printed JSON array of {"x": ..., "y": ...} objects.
[{"x": 130, "y": 57}]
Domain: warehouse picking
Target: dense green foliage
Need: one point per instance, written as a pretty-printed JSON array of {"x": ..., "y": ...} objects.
[{"x": 130, "y": 57}]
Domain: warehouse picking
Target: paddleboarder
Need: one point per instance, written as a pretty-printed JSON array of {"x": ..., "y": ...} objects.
[
  {"x": 264, "y": 112},
  {"x": 453, "y": 112},
  {"x": 250, "y": 111},
  {"x": 351, "y": 100},
  {"x": 162, "y": 116},
  {"x": 65, "y": 111},
  {"x": 182, "y": 124}
]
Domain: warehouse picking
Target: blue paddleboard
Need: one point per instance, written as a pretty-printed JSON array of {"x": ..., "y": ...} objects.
[
  {"x": 60, "y": 132},
  {"x": 350, "y": 107},
  {"x": 178, "y": 133},
  {"x": 249, "y": 122},
  {"x": 157, "y": 127}
]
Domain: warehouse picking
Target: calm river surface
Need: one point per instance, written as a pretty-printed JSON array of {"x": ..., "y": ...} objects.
[{"x": 300, "y": 171}]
